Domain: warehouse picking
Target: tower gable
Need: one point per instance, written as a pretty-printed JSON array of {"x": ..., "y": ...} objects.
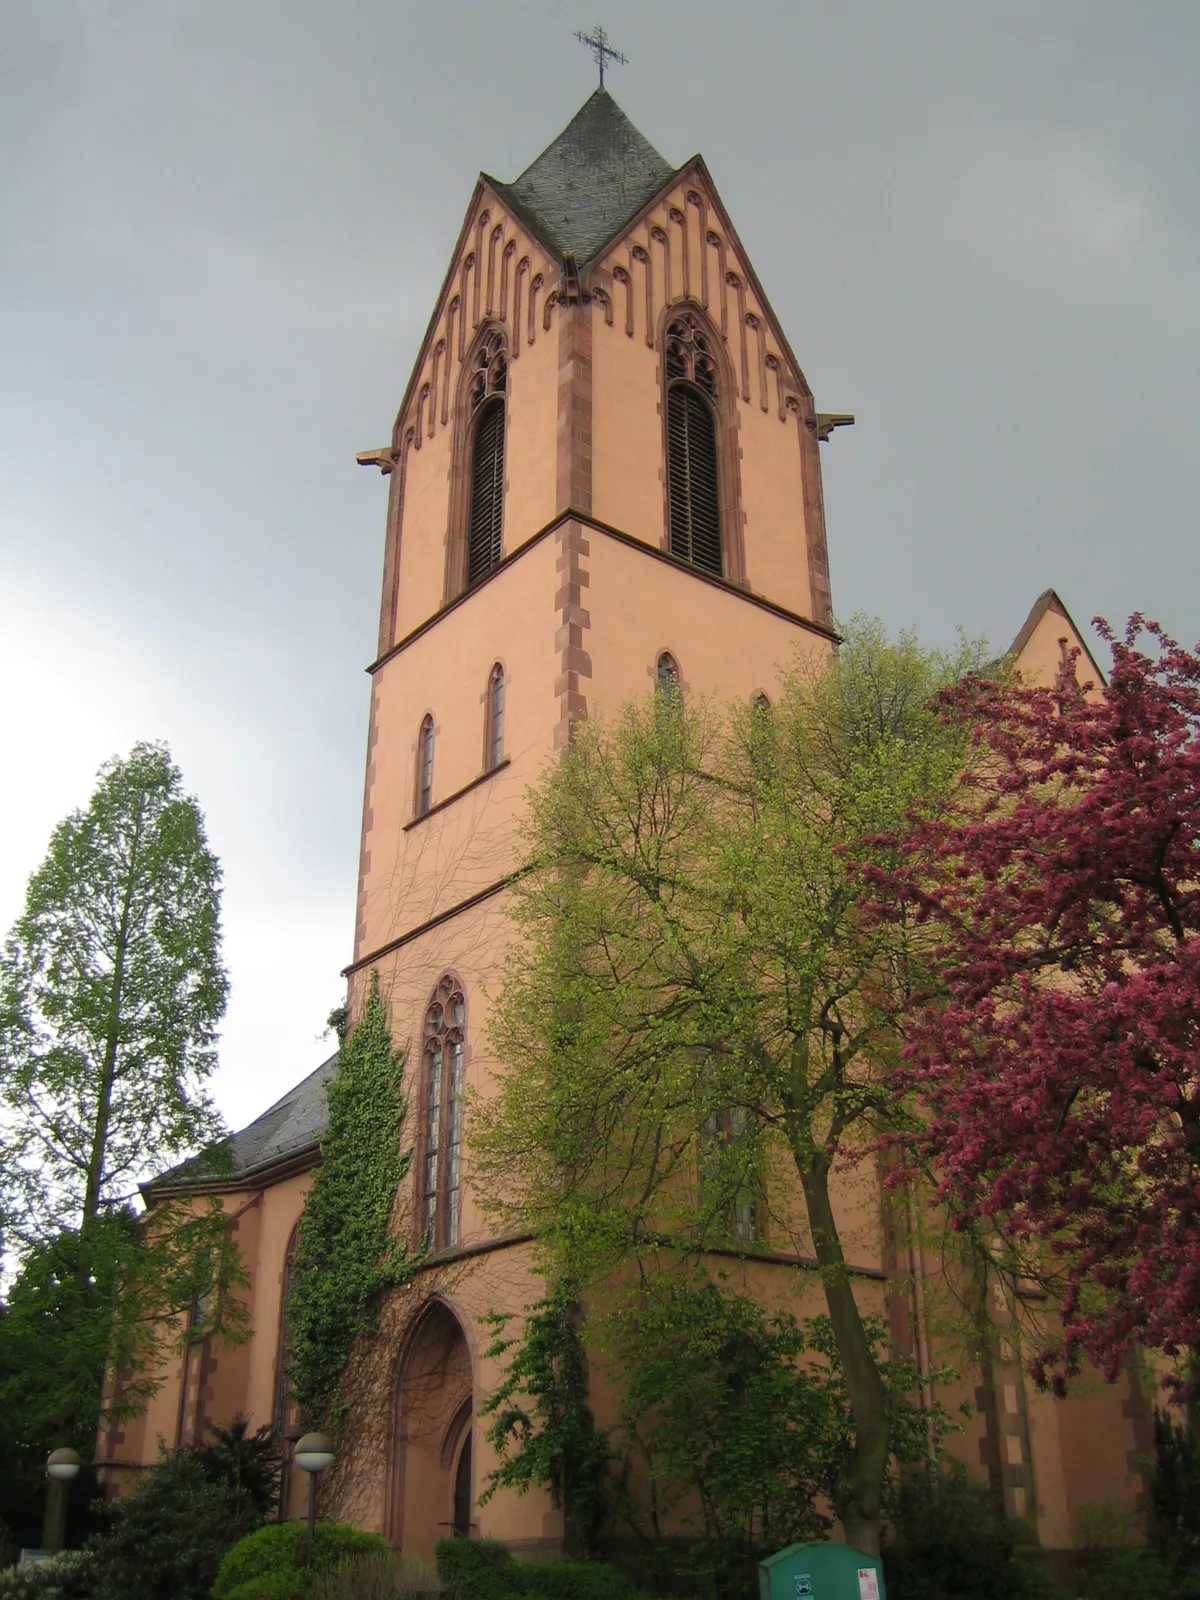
[
  {"x": 1042, "y": 648},
  {"x": 499, "y": 278},
  {"x": 681, "y": 251}
]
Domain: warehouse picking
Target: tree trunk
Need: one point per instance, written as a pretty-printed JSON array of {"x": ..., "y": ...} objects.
[
  {"x": 860, "y": 1493},
  {"x": 95, "y": 1169},
  {"x": 108, "y": 1071}
]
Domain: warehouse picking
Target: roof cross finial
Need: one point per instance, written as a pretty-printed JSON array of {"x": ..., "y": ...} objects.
[{"x": 602, "y": 51}]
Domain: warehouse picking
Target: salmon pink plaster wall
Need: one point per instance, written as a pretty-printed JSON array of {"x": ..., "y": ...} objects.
[
  {"x": 724, "y": 644},
  {"x": 414, "y": 869},
  {"x": 431, "y": 438},
  {"x": 762, "y": 392}
]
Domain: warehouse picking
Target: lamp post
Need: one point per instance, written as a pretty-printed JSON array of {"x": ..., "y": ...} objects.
[
  {"x": 314, "y": 1452},
  {"x": 61, "y": 1467}
]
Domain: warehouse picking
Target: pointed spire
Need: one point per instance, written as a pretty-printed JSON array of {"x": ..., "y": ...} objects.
[{"x": 587, "y": 184}]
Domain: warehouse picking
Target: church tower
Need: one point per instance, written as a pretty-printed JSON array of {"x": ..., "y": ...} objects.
[{"x": 604, "y": 470}]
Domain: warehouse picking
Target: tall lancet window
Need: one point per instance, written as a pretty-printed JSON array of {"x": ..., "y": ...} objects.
[
  {"x": 693, "y": 486},
  {"x": 489, "y": 382},
  {"x": 425, "y": 767},
  {"x": 494, "y": 748},
  {"x": 444, "y": 1083}
]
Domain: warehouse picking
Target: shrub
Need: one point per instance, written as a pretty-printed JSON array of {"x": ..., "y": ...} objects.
[
  {"x": 286, "y": 1585},
  {"x": 1113, "y": 1563},
  {"x": 477, "y": 1569},
  {"x": 1175, "y": 1497},
  {"x": 481, "y": 1569},
  {"x": 69, "y": 1576},
  {"x": 248, "y": 1462},
  {"x": 166, "y": 1537},
  {"x": 577, "y": 1580},
  {"x": 404, "y": 1577},
  {"x": 947, "y": 1542},
  {"x": 277, "y": 1552}
]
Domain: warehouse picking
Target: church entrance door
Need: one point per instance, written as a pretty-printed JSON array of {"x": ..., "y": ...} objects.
[{"x": 431, "y": 1496}]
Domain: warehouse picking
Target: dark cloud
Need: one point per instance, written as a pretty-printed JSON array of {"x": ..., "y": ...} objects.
[{"x": 223, "y": 226}]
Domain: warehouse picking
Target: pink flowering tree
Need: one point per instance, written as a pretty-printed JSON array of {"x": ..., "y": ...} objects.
[{"x": 1057, "y": 1059}]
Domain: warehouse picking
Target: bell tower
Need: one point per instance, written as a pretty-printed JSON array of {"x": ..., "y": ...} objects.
[
  {"x": 606, "y": 451},
  {"x": 604, "y": 472}
]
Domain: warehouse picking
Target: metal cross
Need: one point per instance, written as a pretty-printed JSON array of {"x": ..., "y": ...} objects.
[{"x": 597, "y": 43}]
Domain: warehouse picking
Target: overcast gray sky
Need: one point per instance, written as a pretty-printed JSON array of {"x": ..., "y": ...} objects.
[{"x": 222, "y": 225}]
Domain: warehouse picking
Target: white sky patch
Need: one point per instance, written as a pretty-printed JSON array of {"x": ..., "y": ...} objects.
[
  {"x": 98, "y": 688},
  {"x": 1056, "y": 201}
]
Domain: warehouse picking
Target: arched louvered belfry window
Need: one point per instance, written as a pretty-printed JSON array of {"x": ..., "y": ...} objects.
[
  {"x": 693, "y": 484},
  {"x": 489, "y": 381},
  {"x": 425, "y": 767},
  {"x": 494, "y": 745},
  {"x": 444, "y": 1085}
]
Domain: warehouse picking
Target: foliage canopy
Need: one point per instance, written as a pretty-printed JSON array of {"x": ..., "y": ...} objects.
[
  {"x": 1057, "y": 1057},
  {"x": 111, "y": 989},
  {"x": 696, "y": 1001}
]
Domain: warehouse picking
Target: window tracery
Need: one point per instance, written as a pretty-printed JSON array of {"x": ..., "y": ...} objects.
[
  {"x": 444, "y": 1083},
  {"x": 688, "y": 355},
  {"x": 490, "y": 375}
]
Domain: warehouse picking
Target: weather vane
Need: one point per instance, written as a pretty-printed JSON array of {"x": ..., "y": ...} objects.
[{"x": 602, "y": 51}]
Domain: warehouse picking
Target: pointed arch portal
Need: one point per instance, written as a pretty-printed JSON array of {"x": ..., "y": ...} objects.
[{"x": 432, "y": 1491}]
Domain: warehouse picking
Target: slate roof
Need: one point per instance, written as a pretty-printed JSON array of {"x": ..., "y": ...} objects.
[
  {"x": 292, "y": 1124},
  {"x": 586, "y": 186}
]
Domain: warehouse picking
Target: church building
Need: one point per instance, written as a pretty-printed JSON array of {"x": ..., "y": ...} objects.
[{"x": 605, "y": 473}]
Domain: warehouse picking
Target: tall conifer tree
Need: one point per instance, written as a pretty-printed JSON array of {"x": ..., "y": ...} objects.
[{"x": 111, "y": 990}]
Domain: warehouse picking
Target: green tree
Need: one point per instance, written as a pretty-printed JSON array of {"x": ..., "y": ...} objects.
[
  {"x": 170, "y": 1533},
  {"x": 742, "y": 1416},
  {"x": 696, "y": 1000},
  {"x": 541, "y": 1425},
  {"x": 111, "y": 990}
]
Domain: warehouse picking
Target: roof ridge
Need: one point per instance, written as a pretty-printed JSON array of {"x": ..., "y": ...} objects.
[{"x": 299, "y": 1117}]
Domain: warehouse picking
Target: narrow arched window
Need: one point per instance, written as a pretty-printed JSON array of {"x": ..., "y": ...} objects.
[
  {"x": 693, "y": 485},
  {"x": 425, "y": 767},
  {"x": 441, "y": 1161},
  {"x": 666, "y": 675},
  {"x": 494, "y": 750},
  {"x": 489, "y": 382},
  {"x": 761, "y": 733}
]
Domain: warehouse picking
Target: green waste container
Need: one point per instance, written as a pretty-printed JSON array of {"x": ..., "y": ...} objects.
[{"x": 821, "y": 1572}]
